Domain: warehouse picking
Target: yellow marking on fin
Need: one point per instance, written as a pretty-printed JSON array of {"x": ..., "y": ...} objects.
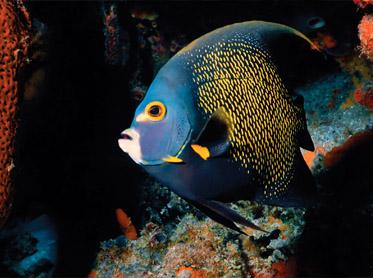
[
  {"x": 203, "y": 152},
  {"x": 172, "y": 159}
]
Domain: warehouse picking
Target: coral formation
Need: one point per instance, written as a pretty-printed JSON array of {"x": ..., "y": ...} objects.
[
  {"x": 366, "y": 36},
  {"x": 365, "y": 29},
  {"x": 116, "y": 39},
  {"x": 14, "y": 40}
]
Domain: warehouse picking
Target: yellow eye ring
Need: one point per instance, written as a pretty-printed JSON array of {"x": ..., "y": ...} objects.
[{"x": 155, "y": 110}]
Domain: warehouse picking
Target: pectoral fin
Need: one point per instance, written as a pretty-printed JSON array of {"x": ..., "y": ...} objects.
[
  {"x": 213, "y": 141},
  {"x": 224, "y": 215}
]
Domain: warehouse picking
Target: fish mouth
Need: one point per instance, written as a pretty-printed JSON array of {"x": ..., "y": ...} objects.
[{"x": 129, "y": 142}]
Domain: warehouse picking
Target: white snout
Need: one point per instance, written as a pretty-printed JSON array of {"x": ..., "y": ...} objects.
[{"x": 130, "y": 143}]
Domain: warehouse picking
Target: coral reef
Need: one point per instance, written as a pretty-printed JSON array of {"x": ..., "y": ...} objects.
[
  {"x": 14, "y": 41},
  {"x": 199, "y": 247}
]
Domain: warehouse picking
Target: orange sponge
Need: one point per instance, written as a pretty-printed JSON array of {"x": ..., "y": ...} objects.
[{"x": 14, "y": 40}]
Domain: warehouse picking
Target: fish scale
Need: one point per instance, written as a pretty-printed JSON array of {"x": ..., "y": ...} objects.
[{"x": 238, "y": 76}]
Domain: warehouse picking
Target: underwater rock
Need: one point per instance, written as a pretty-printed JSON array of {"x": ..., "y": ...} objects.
[
  {"x": 28, "y": 247},
  {"x": 339, "y": 153},
  {"x": 14, "y": 41}
]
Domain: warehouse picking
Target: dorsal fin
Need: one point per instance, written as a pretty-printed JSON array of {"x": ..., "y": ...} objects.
[
  {"x": 270, "y": 33},
  {"x": 289, "y": 49}
]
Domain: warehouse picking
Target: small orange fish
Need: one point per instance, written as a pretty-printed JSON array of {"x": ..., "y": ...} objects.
[{"x": 126, "y": 225}]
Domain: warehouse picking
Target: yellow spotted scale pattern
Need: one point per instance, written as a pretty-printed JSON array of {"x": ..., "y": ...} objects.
[{"x": 237, "y": 76}]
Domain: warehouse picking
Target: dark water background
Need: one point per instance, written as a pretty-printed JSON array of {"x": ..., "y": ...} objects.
[{"x": 69, "y": 163}]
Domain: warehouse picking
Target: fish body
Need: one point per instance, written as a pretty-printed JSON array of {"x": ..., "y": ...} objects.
[{"x": 218, "y": 124}]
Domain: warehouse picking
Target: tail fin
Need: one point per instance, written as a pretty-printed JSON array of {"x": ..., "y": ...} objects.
[{"x": 302, "y": 191}]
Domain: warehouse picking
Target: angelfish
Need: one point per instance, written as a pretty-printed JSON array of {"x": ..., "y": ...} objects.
[{"x": 218, "y": 124}]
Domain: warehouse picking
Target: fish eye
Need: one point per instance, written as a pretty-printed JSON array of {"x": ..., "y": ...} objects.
[{"x": 155, "y": 110}]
